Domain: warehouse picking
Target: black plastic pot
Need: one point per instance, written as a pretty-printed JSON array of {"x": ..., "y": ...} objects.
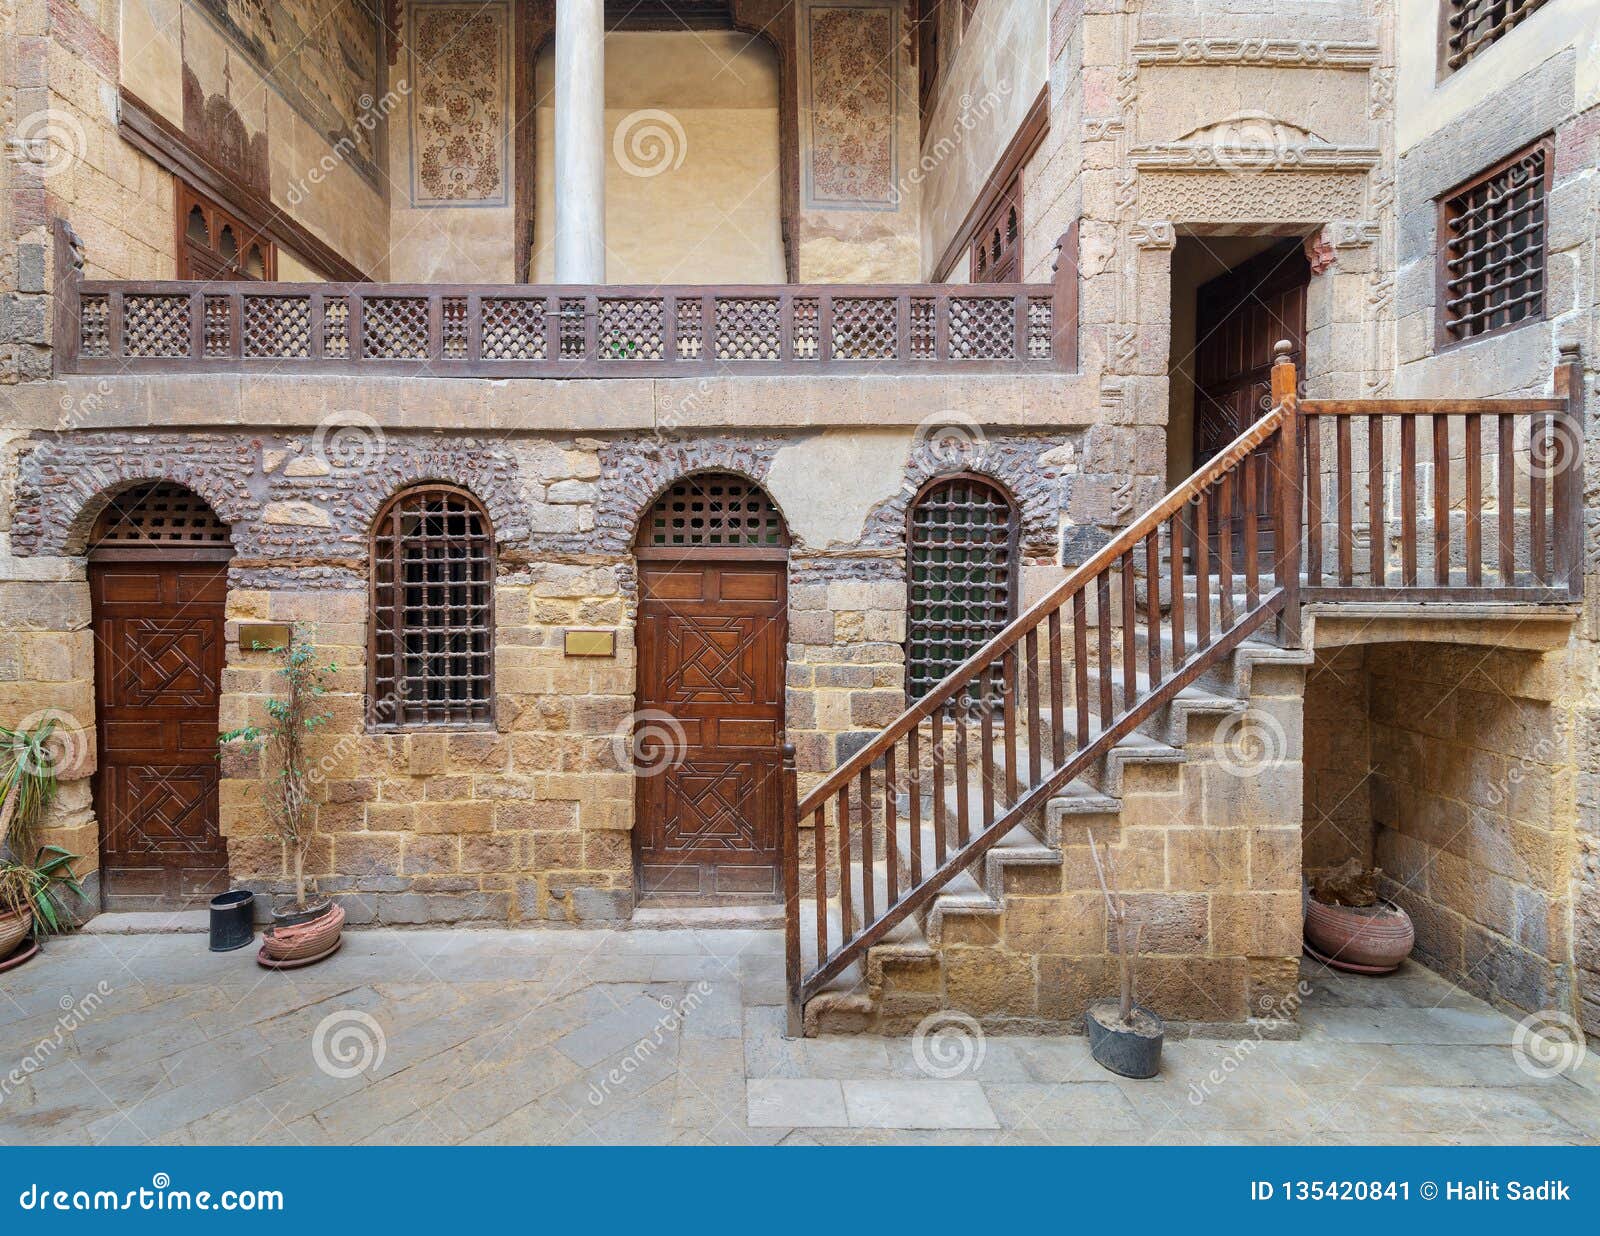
[
  {"x": 232, "y": 920},
  {"x": 1126, "y": 1051}
]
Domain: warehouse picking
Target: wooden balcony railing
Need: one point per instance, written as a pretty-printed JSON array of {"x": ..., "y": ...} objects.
[
  {"x": 1446, "y": 499},
  {"x": 565, "y": 331}
]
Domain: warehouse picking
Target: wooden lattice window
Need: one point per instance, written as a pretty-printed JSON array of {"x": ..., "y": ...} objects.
[
  {"x": 162, "y": 516},
  {"x": 1471, "y": 26},
  {"x": 997, "y": 243},
  {"x": 713, "y": 509},
  {"x": 1492, "y": 247},
  {"x": 960, "y": 575},
  {"x": 213, "y": 243},
  {"x": 928, "y": 18},
  {"x": 432, "y": 635}
]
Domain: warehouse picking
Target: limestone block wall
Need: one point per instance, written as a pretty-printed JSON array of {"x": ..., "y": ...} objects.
[
  {"x": 1338, "y": 759},
  {"x": 1472, "y": 810},
  {"x": 1208, "y": 851},
  {"x": 1211, "y": 120},
  {"x": 46, "y": 671},
  {"x": 1538, "y": 81},
  {"x": 530, "y": 821},
  {"x": 525, "y": 823}
]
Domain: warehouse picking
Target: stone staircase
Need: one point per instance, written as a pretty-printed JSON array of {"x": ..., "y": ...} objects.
[{"x": 901, "y": 979}]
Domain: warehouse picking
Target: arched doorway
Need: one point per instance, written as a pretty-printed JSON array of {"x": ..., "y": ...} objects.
[
  {"x": 713, "y": 622},
  {"x": 158, "y": 577}
]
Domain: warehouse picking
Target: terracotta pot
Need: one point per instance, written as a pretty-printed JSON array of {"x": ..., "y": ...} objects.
[
  {"x": 14, "y": 928},
  {"x": 304, "y": 940},
  {"x": 292, "y": 915},
  {"x": 1368, "y": 939}
]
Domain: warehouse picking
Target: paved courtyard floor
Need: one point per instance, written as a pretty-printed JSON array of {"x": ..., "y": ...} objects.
[{"x": 676, "y": 1036}]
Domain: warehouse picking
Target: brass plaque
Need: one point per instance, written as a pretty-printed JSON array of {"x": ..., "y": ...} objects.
[
  {"x": 591, "y": 643},
  {"x": 258, "y": 636}
]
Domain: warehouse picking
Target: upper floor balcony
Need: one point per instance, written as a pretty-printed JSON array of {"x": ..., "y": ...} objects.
[{"x": 563, "y": 330}]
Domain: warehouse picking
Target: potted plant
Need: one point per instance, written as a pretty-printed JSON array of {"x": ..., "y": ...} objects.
[
  {"x": 1124, "y": 1036},
  {"x": 1349, "y": 927},
  {"x": 30, "y": 892},
  {"x": 308, "y": 930}
]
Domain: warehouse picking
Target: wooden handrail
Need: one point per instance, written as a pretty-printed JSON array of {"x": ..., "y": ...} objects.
[
  {"x": 1051, "y": 602},
  {"x": 1017, "y": 684},
  {"x": 1529, "y": 501},
  {"x": 1026, "y": 751}
]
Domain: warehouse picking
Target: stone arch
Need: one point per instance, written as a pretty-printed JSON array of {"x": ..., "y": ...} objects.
[
  {"x": 1019, "y": 466},
  {"x": 637, "y": 473},
  {"x": 493, "y": 487},
  {"x": 62, "y": 488}
]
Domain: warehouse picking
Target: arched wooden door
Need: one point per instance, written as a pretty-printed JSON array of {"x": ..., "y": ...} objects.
[
  {"x": 158, "y": 578},
  {"x": 713, "y": 585}
]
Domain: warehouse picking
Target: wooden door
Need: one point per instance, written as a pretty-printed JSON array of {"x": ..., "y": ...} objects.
[
  {"x": 711, "y": 637},
  {"x": 158, "y": 629},
  {"x": 1239, "y": 317}
]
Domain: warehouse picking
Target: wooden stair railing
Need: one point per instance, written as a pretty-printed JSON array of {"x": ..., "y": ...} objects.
[
  {"x": 1042, "y": 700},
  {"x": 1459, "y": 500}
]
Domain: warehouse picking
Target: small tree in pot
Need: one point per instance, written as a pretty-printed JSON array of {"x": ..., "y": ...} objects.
[
  {"x": 30, "y": 892},
  {"x": 1124, "y": 1036},
  {"x": 310, "y": 928}
]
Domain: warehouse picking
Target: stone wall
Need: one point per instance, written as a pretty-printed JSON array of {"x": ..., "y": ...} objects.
[
  {"x": 1466, "y": 805},
  {"x": 529, "y": 822},
  {"x": 1539, "y": 80},
  {"x": 1338, "y": 777},
  {"x": 1207, "y": 849},
  {"x": 1472, "y": 804}
]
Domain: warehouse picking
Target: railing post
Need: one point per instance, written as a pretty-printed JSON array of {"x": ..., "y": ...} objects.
[
  {"x": 1568, "y": 480},
  {"x": 1064, "y": 301},
  {"x": 66, "y": 291},
  {"x": 1285, "y": 396},
  {"x": 790, "y": 842}
]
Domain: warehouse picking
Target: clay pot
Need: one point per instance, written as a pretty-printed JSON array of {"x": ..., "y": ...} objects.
[
  {"x": 14, "y": 928},
  {"x": 292, "y": 915},
  {"x": 304, "y": 940},
  {"x": 1365, "y": 939}
]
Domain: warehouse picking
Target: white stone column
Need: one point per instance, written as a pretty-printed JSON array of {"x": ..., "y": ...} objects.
[{"x": 580, "y": 141}]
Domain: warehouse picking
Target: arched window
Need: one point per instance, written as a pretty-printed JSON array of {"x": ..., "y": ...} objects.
[
  {"x": 961, "y": 552},
  {"x": 432, "y": 647}
]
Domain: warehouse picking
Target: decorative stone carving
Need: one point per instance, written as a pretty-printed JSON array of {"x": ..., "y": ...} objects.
[
  {"x": 1154, "y": 234},
  {"x": 1256, "y": 197},
  {"x": 1319, "y": 252},
  {"x": 1285, "y": 52},
  {"x": 1252, "y": 141}
]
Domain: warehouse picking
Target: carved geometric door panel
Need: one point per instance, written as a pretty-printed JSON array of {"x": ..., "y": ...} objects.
[
  {"x": 1239, "y": 317},
  {"x": 711, "y": 640},
  {"x": 158, "y": 662}
]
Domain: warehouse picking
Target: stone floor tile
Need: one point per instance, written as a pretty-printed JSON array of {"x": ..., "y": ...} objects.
[
  {"x": 903, "y": 1104},
  {"x": 604, "y": 1036},
  {"x": 1053, "y": 1108},
  {"x": 796, "y": 1102}
]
